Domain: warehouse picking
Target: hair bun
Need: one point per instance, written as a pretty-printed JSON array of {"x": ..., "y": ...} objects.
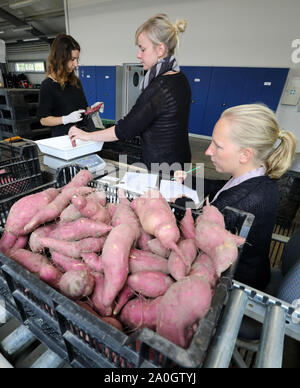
[{"x": 180, "y": 25}]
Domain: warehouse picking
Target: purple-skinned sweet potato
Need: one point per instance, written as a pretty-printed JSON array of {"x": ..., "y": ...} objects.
[
  {"x": 140, "y": 313},
  {"x": 77, "y": 284},
  {"x": 140, "y": 260},
  {"x": 53, "y": 210},
  {"x": 150, "y": 283},
  {"x": 115, "y": 257},
  {"x": 26, "y": 208},
  {"x": 177, "y": 268},
  {"x": 183, "y": 305},
  {"x": 72, "y": 248}
]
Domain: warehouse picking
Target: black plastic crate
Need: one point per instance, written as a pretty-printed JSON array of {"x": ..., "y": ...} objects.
[
  {"x": 82, "y": 339},
  {"x": 18, "y": 97},
  {"x": 20, "y": 169},
  {"x": 289, "y": 198}
]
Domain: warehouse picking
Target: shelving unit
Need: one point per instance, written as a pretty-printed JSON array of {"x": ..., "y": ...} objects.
[{"x": 18, "y": 109}]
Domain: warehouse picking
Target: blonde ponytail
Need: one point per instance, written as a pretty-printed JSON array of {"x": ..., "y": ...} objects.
[
  {"x": 255, "y": 126},
  {"x": 282, "y": 156}
]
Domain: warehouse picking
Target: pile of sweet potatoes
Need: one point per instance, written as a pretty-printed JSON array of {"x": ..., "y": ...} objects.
[{"x": 129, "y": 263}]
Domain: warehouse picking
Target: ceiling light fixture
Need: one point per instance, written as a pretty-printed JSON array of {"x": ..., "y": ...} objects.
[
  {"x": 21, "y": 4},
  {"x": 30, "y": 39},
  {"x": 22, "y": 28}
]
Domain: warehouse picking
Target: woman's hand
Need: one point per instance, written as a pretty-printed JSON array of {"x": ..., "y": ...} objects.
[
  {"x": 78, "y": 134},
  {"x": 180, "y": 176}
]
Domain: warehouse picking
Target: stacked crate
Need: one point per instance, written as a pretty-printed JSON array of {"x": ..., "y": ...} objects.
[{"x": 18, "y": 109}]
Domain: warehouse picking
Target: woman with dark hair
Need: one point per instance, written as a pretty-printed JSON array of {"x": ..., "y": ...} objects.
[{"x": 62, "y": 100}]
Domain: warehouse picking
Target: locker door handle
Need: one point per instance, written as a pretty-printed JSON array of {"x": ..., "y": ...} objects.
[{"x": 224, "y": 104}]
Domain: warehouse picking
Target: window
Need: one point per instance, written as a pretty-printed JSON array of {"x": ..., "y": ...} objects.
[{"x": 30, "y": 67}]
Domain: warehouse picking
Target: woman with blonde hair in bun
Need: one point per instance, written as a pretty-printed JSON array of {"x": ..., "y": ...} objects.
[
  {"x": 160, "y": 115},
  {"x": 248, "y": 144}
]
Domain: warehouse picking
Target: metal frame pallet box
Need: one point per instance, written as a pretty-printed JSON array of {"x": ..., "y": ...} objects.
[
  {"x": 20, "y": 162},
  {"x": 82, "y": 339}
]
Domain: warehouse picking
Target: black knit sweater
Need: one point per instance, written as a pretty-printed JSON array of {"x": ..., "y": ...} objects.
[
  {"x": 160, "y": 116},
  {"x": 258, "y": 196}
]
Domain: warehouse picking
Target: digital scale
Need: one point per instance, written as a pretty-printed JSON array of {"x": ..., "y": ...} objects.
[
  {"x": 58, "y": 152},
  {"x": 94, "y": 163}
]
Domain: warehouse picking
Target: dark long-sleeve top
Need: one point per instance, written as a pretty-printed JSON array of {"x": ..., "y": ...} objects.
[
  {"x": 160, "y": 117},
  {"x": 258, "y": 196},
  {"x": 57, "y": 102}
]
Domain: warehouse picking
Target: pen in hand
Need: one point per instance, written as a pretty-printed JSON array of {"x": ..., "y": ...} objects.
[{"x": 187, "y": 172}]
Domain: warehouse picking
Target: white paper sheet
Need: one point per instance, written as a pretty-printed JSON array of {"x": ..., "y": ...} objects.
[
  {"x": 171, "y": 189},
  {"x": 138, "y": 182}
]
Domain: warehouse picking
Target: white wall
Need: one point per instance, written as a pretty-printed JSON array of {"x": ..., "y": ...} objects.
[{"x": 219, "y": 33}]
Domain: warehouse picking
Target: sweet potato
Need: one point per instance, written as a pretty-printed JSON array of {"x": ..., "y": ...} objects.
[
  {"x": 111, "y": 208},
  {"x": 187, "y": 225},
  {"x": 150, "y": 283},
  {"x": 139, "y": 313},
  {"x": 143, "y": 240},
  {"x": 72, "y": 248},
  {"x": 82, "y": 178},
  {"x": 113, "y": 322},
  {"x": 212, "y": 214},
  {"x": 79, "y": 229},
  {"x": 69, "y": 214},
  {"x": 50, "y": 275},
  {"x": 29, "y": 260},
  {"x": 26, "y": 208},
  {"x": 96, "y": 298},
  {"x": 115, "y": 257},
  {"x": 218, "y": 243},
  {"x": 91, "y": 208},
  {"x": 99, "y": 196},
  {"x": 204, "y": 266},
  {"x": 37, "y": 264},
  {"x": 110, "y": 320},
  {"x": 34, "y": 240},
  {"x": 66, "y": 263},
  {"x": 177, "y": 268},
  {"x": 124, "y": 296},
  {"x": 53, "y": 210},
  {"x": 158, "y": 219},
  {"x": 21, "y": 242},
  {"x": 7, "y": 241},
  {"x": 146, "y": 261},
  {"x": 157, "y": 248},
  {"x": 123, "y": 214},
  {"x": 93, "y": 261},
  {"x": 77, "y": 284},
  {"x": 184, "y": 304}
]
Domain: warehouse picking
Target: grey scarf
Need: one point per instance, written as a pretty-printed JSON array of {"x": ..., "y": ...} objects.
[{"x": 163, "y": 66}]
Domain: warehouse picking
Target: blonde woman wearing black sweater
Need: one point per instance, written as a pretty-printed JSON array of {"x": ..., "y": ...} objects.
[
  {"x": 160, "y": 115},
  {"x": 248, "y": 144}
]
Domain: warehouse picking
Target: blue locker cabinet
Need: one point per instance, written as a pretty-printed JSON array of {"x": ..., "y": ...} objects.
[
  {"x": 106, "y": 90},
  {"x": 199, "y": 80},
  {"x": 264, "y": 85},
  {"x": 226, "y": 90},
  {"x": 232, "y": 86},
  {"x": 87, "y": 75}
]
